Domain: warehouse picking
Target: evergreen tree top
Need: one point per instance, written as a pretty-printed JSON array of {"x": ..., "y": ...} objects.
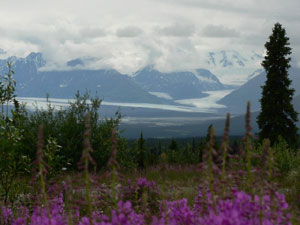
[{"x": 277, "y": 50}]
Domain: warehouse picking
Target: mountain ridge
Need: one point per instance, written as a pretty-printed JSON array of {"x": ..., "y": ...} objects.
[{"x": 33, "y": 81}]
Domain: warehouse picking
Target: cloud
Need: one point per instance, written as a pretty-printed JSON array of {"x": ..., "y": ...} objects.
[
  {"x": 287, "y": 10},
  {"x": 129, "y": 31},
  {"x": 92, "y": 32},
  {"x": 128, "y": 35},
  {"x": 177, "y": 30},
  {"x": 219, "y": 31}
]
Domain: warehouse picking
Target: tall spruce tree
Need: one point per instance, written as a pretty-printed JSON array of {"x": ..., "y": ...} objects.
[
  {"x": 141, "y": 152},
  {"x": 277, "y": 117}
]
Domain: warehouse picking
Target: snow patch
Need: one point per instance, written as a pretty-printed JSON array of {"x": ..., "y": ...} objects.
[
  {"x": 206, "y": 102},
  {"x": 255, "y": 73},
  {"x": 203, "y": 79},
  {"x": 161, "y": 95}
]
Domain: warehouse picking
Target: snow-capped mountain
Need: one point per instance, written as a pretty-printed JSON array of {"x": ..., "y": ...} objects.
[
  {"x": 233, "y": 67},
  {"x": 37, "y": 58},
  {"x": 25, "y": 69},
  {"x": 33, "y": 60},
  {"x": 148, "y": 85},
  {"x": 232, "y": 58}
]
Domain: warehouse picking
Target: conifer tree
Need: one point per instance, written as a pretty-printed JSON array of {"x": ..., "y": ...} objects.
[
  {"x": 277, "y": 117},
  {"x": 173, "y": 145},
  {"x": 193, "y": 145},
  {"x": 141, "y": 150}
]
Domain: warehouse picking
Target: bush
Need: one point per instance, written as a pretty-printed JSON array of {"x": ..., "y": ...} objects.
[{"x": 284, "y": 156}]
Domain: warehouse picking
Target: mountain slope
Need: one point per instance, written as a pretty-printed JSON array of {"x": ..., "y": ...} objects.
[
  {"x": 25, "y": 68},
  {"x": 251, "y": 91},
  {"x": 178, "y": 85},
  {"x": 109, "y": 84}
]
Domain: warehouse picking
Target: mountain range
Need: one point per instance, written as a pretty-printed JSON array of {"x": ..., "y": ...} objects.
[
  {"x": 150, "y": 85},
  {"x": 146, "y": 86}
]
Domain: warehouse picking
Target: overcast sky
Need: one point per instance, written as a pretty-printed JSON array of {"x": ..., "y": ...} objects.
[{"x": 129, "y": 34}]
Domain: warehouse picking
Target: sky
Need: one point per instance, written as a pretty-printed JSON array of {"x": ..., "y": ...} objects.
[{"x": 129, "y": 34}]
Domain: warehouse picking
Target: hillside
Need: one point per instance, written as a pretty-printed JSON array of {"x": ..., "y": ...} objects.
[{"x": 251, "y": 91}]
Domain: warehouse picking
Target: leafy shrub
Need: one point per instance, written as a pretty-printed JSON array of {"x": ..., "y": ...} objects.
[{"x": 284, "y": 156}]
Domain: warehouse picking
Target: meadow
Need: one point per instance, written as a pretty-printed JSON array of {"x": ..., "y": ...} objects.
[{"x": 69, "y": 167}]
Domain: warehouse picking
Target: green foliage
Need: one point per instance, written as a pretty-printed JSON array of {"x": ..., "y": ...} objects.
[
  {"x": 186, "y": 153},
  {"x": 292, "y": 182},
  {"x": 284, "y": 156},
  {"x": 7, "y": 89},
  {"x": 277, "y": 117},
  {"x": 152, "y": 155},
  {"x": 65, "y": 128},
  {"x": 63, "y": 133},
  {"x": 13, "y": 162},
  {"x": 201, "y": 148},
  {"x": 173, "y": 145},
  {"x": 53, "y": 158},
  {"x": 126, "y": 156}
]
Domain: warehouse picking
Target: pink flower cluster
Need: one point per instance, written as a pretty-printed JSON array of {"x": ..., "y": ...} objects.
[{"x": 242, "y": 209}]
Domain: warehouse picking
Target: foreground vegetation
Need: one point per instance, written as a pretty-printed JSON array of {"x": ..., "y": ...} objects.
[{"x": 69, "y": 167}]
